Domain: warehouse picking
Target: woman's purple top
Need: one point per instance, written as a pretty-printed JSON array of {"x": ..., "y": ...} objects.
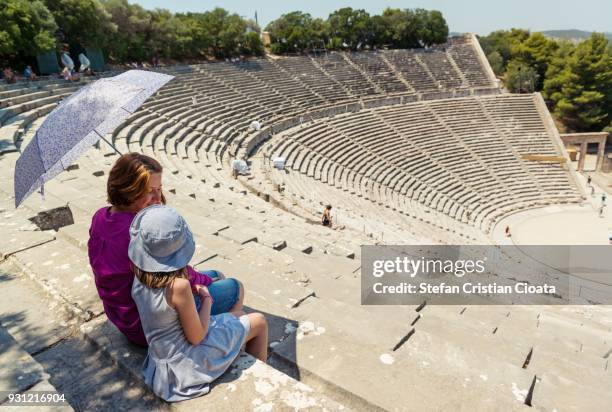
[{"x": 109, "y": 238}]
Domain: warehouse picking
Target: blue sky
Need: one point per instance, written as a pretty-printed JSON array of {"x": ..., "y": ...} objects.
[{"x": 478, "y": 16}]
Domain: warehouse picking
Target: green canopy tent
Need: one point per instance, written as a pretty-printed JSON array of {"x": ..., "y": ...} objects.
[
  {"x": 96, "y": 58},
  {"x": 47, "y": 62}
]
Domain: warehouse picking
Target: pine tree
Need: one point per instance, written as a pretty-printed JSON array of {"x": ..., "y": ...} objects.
[{"x": 581, "y": 91}]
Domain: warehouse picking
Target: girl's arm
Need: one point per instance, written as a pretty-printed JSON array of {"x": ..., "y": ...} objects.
[
  {"x": 180, "y": 297},
  {"x": 205, "y": 309}
]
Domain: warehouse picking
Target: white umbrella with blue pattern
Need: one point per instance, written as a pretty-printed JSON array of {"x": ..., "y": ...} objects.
[{"x": 80, "y": 121}]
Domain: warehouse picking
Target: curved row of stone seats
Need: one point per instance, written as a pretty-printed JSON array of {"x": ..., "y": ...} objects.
[
  {"x": 316, "y": 319},
  {"x": 24, "y": 102},
  {"x": 274, "y": 88},
  {"x": 207, "y": 93},
  {"x": 413, "y": 70},
  {"x": 381, "y": 195},
  {"x": 304, "y": 70},
  {"x": 464, "y": 54},
  {"x": 380, "y": 220},
  {"x": 454, "y": 65},
  {"x": 32, "y": 98},
  {"x": 446, "y": 73},
  {"x": 197, "y": 177},
  {"x": 371, "y": 164},
  {"x": 379, "y": 71},
  {"x": 263, "y": 70},
  {"x": 222, "y": 102},
  {"x": 377, "y": 191},
  {"x": 455, "y": 156},
  {"x": 45, "y": 83},
  {"x": 354, "y": 80}
]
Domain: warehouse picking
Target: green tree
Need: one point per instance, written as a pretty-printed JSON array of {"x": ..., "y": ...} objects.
[
  {"x": 131, "y": 41},
  {"x": 496, "y": 61},
  {"x": 252, "y": 44},
  {"x": 197, "y": 38},
  {"x": 295, "y": 32},
  {"x": 521, "y": 78},
  {"x": 228, "y": 32},
  {"x": 536, "y": 51},
  {"x": 432, "y": 27},
  {"x": 379, "y": 34},
  {"x": 83, "y": 21},
  {"x": 505, "y": 43},
  {"x": 414, "y": 28},
  {"x": 554, "y": 78},
  {"x": 27, "y": 28},
  {"x": 402, "y": 28},
  {"x": 159, "y": 36},
  {"x": 581, "y": 90},
  {"x": 352, "y": 27},
  {"x": 232, "y": 35},
  {"x": 497, "y": 41}
]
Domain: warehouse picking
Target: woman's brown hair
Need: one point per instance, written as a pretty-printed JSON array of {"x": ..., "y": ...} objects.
[
  {"x": 129, "y": 179},
  {"x": 157, "y": 280}
]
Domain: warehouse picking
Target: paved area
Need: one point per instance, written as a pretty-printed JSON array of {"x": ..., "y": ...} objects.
[
  {"x": 562, "y": 224},
  {"x": 41, "y": 349}
]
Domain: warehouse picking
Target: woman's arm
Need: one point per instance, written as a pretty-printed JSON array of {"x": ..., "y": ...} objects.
[
  {"x": 195, "y": 326},
  {"x": 197, "y": 278}
]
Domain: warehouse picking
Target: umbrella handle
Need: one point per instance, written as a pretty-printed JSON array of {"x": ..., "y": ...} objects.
[{"x": 111, "y": 145}]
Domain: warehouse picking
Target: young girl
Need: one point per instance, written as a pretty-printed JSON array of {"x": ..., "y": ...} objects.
[{"x": 188, "y": 349}]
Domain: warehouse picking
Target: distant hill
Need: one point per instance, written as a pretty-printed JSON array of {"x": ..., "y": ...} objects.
[{"x": 573, "y": 35}]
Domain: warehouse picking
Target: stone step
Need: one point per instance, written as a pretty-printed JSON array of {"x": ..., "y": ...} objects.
[
  {"x": 18, "y": 370},
  {"x": 21, "y": 374},
  {"x": 469, "y": 336},
  {"x": 527, "y": 323},
  {"x": 329, "y": 350},
  {"x": 265, "y": 288},
  {"x": 19, "y": 233},
  {"x": 48, "y": 330},
  {"x": 63, "y": 270},
  {"x": 248, "y": 383},
  {"x": 552, "y": 393},
  {"x": 26, "y": 315}
]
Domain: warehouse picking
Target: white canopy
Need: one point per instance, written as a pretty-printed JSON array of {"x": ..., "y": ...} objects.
[
  {"x": 279, "y": 163},
  {"x": 240, "y": 166}
]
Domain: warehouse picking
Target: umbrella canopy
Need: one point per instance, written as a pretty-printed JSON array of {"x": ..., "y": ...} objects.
[{"x": 79, "y": 122}]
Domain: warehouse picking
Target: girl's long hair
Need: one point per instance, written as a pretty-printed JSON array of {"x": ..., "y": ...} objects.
[{"x": 157, "y": 280}]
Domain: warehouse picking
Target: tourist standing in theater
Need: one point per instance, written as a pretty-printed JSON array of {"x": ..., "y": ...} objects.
[{"x": 326, "y": 218}]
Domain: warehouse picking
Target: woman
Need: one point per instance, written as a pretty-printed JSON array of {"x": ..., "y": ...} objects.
[{"x": 135, "y": 182}]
